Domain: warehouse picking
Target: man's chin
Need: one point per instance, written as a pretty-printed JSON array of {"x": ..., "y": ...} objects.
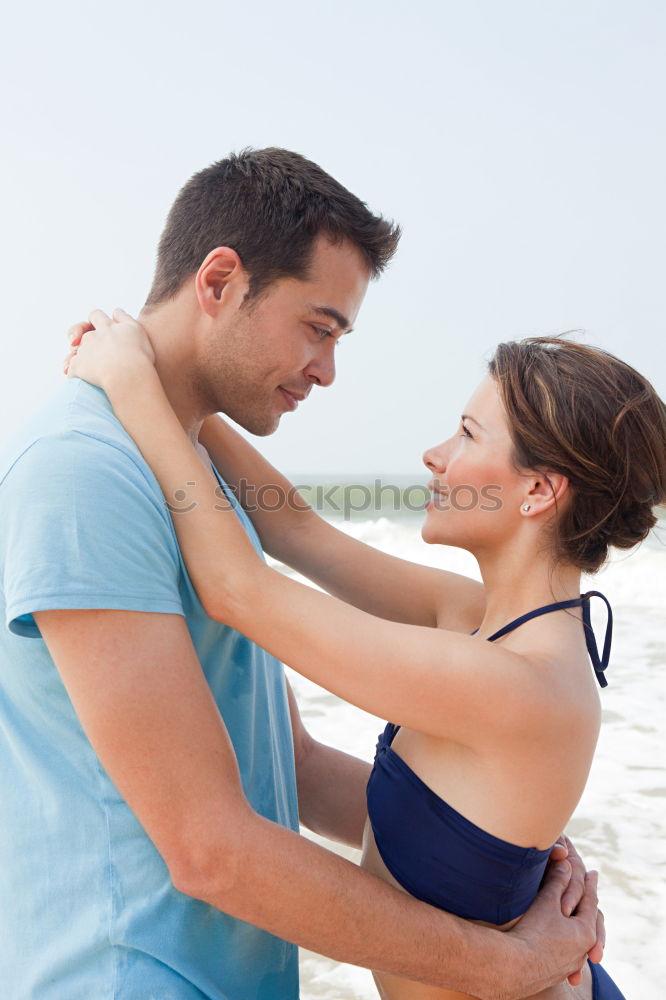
[{"x": 262, "y": 426}]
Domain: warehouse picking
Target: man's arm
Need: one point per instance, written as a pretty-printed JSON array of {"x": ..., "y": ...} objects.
[
  {"x": 166, "y": 748},
  {"x": 332, "y": 802},
  {"x": 331, "y": 785}
]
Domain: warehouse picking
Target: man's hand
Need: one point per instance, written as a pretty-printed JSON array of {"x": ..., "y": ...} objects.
[
  {"x": 564, "y": 850},
  {"x": 553, "y": 940},
  {"x": 142, "y": 698}
]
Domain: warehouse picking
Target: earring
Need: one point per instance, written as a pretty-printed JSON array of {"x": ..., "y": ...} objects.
[{"x": 525, "y": 507}]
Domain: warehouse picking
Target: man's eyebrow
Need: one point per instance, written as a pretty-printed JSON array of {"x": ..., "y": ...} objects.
[
  {"x": 466, "y": 416},
  {"x": 332, "y": 313}
]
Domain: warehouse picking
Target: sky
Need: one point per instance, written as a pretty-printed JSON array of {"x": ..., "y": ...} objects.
[{"x": 520, "y": 145}]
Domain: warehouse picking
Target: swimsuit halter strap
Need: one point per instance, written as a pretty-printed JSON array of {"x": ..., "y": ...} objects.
[{"x": 598, "y": 662}]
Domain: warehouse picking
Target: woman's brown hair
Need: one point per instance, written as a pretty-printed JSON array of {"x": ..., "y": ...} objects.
[{"x": 580, "y": 411}]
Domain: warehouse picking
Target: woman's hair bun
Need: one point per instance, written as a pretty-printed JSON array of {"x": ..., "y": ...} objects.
[{"x": 581, "y": 412}]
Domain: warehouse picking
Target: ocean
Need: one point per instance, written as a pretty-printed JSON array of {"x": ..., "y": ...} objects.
[{"x": 620, "y": 824}]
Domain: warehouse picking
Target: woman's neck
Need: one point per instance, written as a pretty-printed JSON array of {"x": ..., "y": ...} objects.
[{"x": 519, "y": 582}]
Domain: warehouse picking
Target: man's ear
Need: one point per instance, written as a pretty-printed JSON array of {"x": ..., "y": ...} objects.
[
  {"x": 220, "y": 279},
  {"x": 547, "y": 489}
]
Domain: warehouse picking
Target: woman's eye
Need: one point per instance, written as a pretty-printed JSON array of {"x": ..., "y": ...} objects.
[{"x": 465, "y": 432}]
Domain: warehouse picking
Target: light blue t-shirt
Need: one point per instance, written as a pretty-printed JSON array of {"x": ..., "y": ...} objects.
[{"x": 87, "y": 908}]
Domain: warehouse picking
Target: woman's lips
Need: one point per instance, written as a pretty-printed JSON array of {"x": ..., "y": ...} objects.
[{"x": 437, "y": 497}]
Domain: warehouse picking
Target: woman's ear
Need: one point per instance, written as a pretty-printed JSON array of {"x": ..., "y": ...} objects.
[{"x": 547, "y": 489}]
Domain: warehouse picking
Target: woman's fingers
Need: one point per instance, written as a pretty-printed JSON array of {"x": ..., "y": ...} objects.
[
  {"x": 105, "y": 343},
  {"x": 120, "y": 316},
  {"x": 75, "y": 332},
  {"x": 99, "y": 318},
  {"x": 96, "y": 319},
  {"x": 69, "y": 358}
]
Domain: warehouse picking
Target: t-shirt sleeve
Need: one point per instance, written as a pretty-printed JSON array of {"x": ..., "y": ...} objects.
[{"x": 84, "y": 526}]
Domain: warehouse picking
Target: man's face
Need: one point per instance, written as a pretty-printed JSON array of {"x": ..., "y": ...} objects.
[{"x": 264, "y": 358}]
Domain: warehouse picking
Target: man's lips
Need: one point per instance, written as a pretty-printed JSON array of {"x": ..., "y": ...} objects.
[{"x": 292, "y": 398}]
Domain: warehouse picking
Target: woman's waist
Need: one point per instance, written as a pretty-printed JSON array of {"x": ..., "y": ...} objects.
[{"x": 442, "y": 857}]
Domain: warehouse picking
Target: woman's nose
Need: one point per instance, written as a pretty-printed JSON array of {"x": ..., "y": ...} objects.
[{"x": 434, "y": 458}]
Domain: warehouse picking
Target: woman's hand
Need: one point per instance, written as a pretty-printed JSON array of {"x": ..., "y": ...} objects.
[{"x": 106, "y": 351}]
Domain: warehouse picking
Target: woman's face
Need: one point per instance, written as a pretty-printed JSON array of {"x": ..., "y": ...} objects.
[{"x": 476, "y": 490}]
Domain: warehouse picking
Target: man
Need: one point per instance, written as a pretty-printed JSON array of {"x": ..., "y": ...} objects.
[{"x": 151, "y": 757}]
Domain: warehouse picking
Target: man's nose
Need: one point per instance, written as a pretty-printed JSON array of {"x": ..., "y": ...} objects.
[{"x": 321, "y": 369}]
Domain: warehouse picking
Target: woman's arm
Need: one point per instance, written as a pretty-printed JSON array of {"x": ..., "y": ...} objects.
[
  {"x": 436, "y": 681},
  {"x": 291, "y": 531},
  {"x": 383, "y": 585}
]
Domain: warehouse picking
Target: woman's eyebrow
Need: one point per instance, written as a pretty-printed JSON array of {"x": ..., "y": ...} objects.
[
  {"x": 332, "y": 313},
  {"x": 466, "y": 416}
]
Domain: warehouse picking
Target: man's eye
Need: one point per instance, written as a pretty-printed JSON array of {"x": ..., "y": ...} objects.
[{"x": 321, "y": 332}]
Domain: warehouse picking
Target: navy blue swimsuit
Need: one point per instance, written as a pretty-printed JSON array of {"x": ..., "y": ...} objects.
[{"x": 444, "y": 859}]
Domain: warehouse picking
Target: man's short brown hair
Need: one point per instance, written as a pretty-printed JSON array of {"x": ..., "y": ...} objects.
[{"x": 269, "y": 205}]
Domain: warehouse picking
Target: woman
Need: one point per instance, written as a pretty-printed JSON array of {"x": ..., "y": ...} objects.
[{"x": 490, "y": 742}]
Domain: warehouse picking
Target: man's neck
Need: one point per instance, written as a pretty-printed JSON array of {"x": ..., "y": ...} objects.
[{"x": 172, "y": 332}]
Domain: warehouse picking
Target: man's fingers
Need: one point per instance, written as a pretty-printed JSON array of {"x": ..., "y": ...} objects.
[
  {"x": 574, "y": 893},
  {"x": 596, "y": 953},
  {"x": 571, "y": 898},
  {"x": 557, "y": 878},
  {"x": 99, "y": 318},
  {"x": 587, "y": 908},
  {"x": 559, "y": 851},
  {"x": 575, "y": 978}
]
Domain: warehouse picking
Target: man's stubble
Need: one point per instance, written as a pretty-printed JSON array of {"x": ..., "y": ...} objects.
[{"x": 231, "y": 378}]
